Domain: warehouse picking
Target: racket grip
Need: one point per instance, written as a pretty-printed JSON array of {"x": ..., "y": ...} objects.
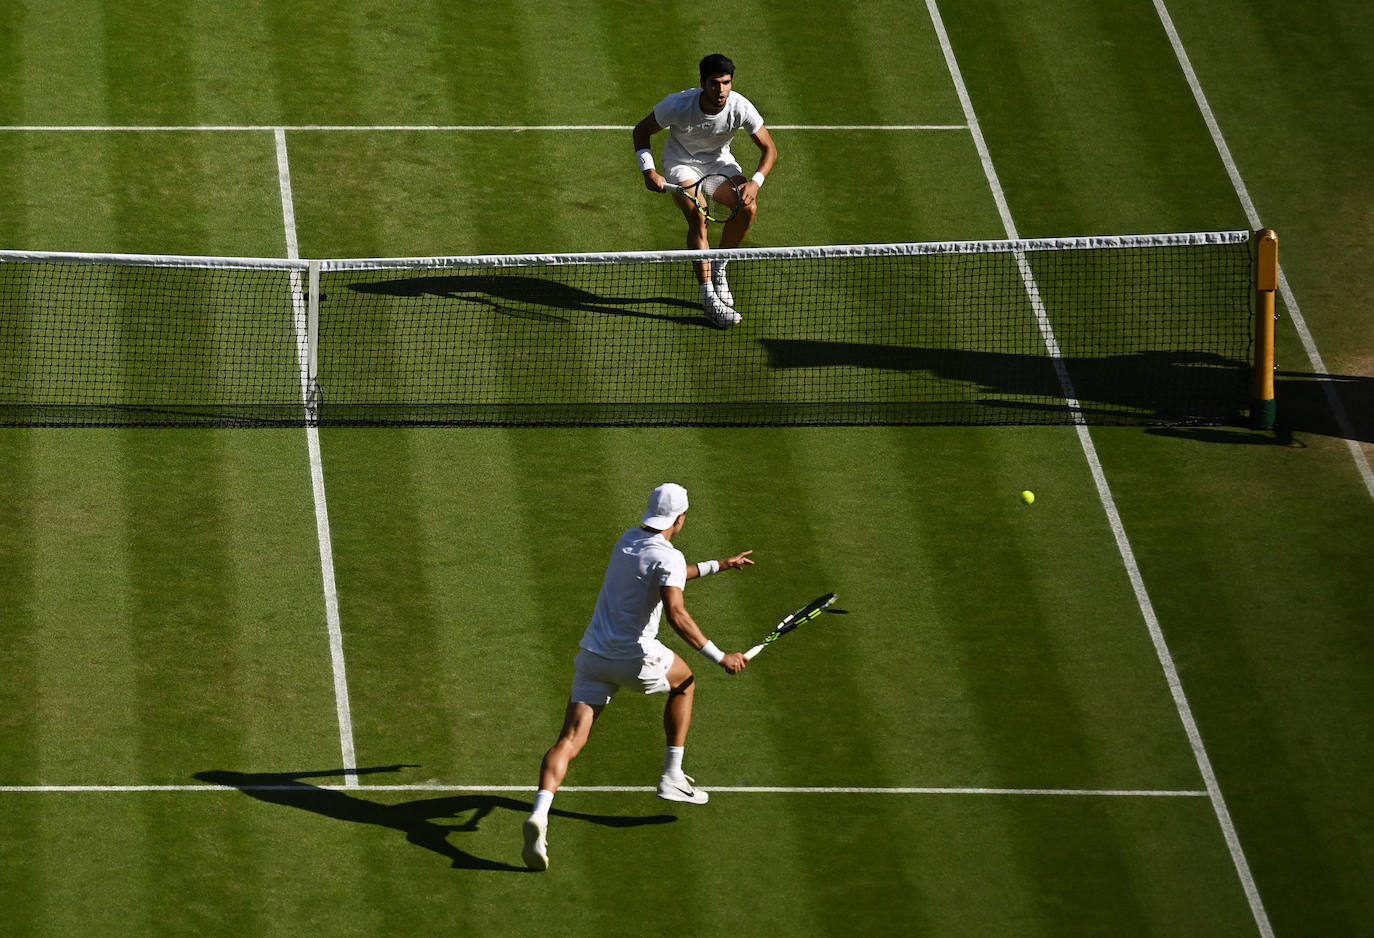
[{"x": 749, "y": 655}]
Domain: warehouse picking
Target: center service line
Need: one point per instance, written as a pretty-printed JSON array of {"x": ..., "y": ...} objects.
[
  {"x": 1104, "y": 493},
  {"x": 312, "y": 436}
]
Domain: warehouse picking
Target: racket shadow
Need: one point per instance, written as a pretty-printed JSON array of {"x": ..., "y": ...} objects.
[{"x": 426, "y": 822}]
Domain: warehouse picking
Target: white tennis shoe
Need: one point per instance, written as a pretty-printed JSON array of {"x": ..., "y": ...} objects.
[
  {"x": 681, "y": 788},
  {"x": 536, "y": 851},
  {"x": 718, "y": 314}
]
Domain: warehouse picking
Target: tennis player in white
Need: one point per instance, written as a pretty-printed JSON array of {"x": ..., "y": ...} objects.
[
  {"x": 620, "y": 648},
  {"x": 701, "y": 122}
]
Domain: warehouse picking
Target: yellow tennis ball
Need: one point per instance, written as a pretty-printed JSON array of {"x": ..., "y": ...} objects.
[{"x": 1028, "y": 497}]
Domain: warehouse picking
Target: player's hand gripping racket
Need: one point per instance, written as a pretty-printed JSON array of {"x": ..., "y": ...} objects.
[
  {"x": 804, "y": 614},
  {"x": 715, "y": 196}
]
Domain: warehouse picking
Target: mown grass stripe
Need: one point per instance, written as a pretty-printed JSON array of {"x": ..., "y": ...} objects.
[
  {"x": 1005, "y": 660},
  {"x": 13, "y": 103},
  {"x": 60, "y": 53},
  {"x": 387, "y": 592},
  {"x": 20, "y": 520},
  {"x": 20, "y": 662}
]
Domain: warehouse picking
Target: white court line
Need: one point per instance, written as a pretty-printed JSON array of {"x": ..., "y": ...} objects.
[
  {"x": 473, "y": 128},
  {"x": 632, "y": 789},
  {"x": 312, "y": 436},
  {"x": 1104, "y": 492},
  {"x": 1309, "y": 344}
]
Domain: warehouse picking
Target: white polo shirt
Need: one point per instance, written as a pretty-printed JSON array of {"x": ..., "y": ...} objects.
[
  {"x": 625, "y": 621},
  {"x": 697, "y": 137}
]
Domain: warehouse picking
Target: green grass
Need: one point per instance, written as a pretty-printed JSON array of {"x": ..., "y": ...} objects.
[
  {"x": 163, "y": 614},
  {"x": 828, "y": 866},
  {"x": 159, "y": 619}
]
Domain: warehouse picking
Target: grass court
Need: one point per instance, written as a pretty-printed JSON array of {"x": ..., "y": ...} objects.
[{"x": 1140, "y": 706}]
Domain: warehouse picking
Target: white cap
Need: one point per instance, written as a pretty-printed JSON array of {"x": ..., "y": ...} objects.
[{"x": 665, "y": 504}]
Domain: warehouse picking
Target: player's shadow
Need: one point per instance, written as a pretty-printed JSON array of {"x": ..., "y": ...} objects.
[
  {"x": 426, "y": 822},
  {"x": 531, "y": 298}
]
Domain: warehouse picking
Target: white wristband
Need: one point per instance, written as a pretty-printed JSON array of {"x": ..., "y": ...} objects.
[
  {"x": 707, "y": 567},
  {"x": 646, "y": 160},
  {"x": 711, "y": 651},
  {"x": 758, "y": 179}
]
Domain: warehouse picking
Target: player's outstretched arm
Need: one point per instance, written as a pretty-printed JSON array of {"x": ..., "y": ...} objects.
[
  {"x": 707, "y": 567},
  {"x": 685, "y": 626},
  {"x": 643, "y": 136}
]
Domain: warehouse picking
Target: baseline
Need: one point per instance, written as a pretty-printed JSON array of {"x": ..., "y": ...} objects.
[
  {"x": 730, "y": 789},
  {"x": 460, "y": 128}
]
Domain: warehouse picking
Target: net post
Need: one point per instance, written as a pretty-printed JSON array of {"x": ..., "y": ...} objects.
[
  {"x": 312, "y": 333},
  {"x": 1263, "y": 408}
]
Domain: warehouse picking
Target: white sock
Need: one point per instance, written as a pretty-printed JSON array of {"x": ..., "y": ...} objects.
[
  {"x": 708, "y": 291},
  {"x": 718, "y": 271},
  {"x": 542, "y": 799},
  {"x": 672, "y": 761}
]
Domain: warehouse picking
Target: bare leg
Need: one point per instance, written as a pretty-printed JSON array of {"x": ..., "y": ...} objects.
[
  {"x": 677, "y": 712},
  {"x": 732, "y": 236},
  {"x": 577, "y": 726},
  {"x": 677, "y": 718},
  {"x": 698, "y": 237}
]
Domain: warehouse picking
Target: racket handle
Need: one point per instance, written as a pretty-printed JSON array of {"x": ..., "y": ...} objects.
[{"x": 749, "y": 655}]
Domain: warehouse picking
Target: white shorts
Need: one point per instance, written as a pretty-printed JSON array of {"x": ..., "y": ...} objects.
[
  {"x": 680, "y": 174},
  {"x": 596, "y": 679}
]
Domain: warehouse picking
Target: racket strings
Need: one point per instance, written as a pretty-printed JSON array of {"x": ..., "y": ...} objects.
[{"x": 719, "y": 197}]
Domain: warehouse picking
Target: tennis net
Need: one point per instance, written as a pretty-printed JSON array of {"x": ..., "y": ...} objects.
[{"x": 1133, "y": 330}]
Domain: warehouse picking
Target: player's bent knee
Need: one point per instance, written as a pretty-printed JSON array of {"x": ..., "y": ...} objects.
[{"x": 684, "y": 687}]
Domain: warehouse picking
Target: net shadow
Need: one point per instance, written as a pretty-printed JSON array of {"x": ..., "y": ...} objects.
[
  {"x": 1160, "y": 386},
  {"x": 424, "y": 822},
  {"x": 1303, "y": 405}
]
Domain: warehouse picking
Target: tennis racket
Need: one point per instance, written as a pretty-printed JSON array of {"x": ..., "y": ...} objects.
[
  {"x": 715, "y": 196},
  {"x": 804, "y": 614}
]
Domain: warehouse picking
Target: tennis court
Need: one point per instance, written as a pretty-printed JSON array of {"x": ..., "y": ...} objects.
[{"x": 268, "y": 680}]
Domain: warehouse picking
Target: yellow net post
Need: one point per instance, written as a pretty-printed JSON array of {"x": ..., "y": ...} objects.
[{"x": 1263, "y": 409}]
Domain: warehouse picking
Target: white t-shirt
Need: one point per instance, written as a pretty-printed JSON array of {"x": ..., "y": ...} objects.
[
  {"x": 625, "y": 621},
  {"x": 697, "y": 137}
]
